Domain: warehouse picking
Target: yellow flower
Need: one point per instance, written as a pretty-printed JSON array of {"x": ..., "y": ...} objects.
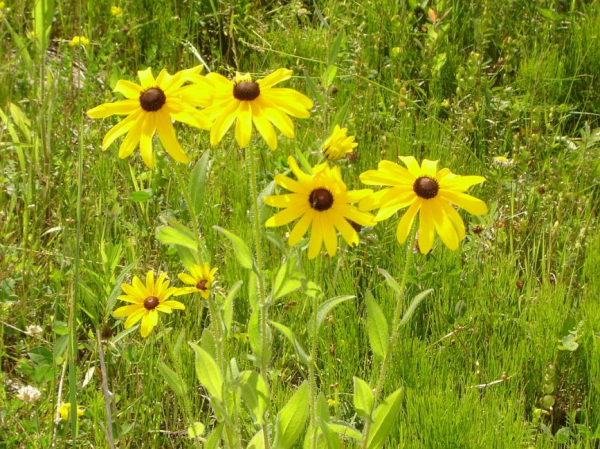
[
  {"x": 65, "y": 410},
  {"x": 202, "y": 278},
  {"x": 147, "y": 301},
  {"x": 503, "y": 161},
  {"x": 79, "y": 40},
  {"x": 338, "y": 144},
  {"x": 116, "y": 11},
  {"x": 321, "y": 201},
  {"x": 150, "y": 107},
  {"x": 246, "y": 102},
  {"x": 425, "y": 190}
]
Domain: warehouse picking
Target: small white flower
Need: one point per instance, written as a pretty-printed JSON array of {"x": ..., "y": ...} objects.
[
  {"x": 29, "y": 394},
  {"x": 34, "y": 329}
]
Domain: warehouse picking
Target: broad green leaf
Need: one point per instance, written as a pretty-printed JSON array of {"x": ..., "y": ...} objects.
[
  {"x": 329, "y": 76},
  {"x": 214, "y": 439},
  {"x": 363, "y": 398},
  {"x": 345, "y": 429},
  {"x": 197, "y": 183},
  {"x": 377, "y": 327},
  {"x": 255, "y": 394},
  {"x": 332, "y": 441},
  {"x": 314, "y": 90},
  {"x": 289, "y": 334},
  {"x": 322, "y": 407},
  {"x": 141, "y": 196},
  {"x": 208, "y": 372},
  {"x": 228, "y": 305},
  {"x": 335, "y": 47},
  {"x": 413, "y": 306},
  {"x": 254, "y": 333},
  {"x": 257, "y": 441},
  {"x": 172, "y": 379},
  {"x": 383, "y": 419},
  {"x": 328, "y": 306},
  {"x": 276, "y": 240},
  {"x": 292, "y": 419},
  {"x": 116, "y": 291},
  {"x": 207, "y": 342},
  {"x": 391, "y": 281},
  {"x": 196, "y": 430},
  {"x": 253, "y": 290},
  {"x": 287, "y": 279},
  {"x": 43, "y": 13},
  {"x": 171, "y": 236},
  {"x": 242, "y": 253}
]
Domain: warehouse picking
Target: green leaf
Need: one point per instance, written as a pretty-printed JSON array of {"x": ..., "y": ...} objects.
[
  {"x": 335, "y": 48},
  {"x": 172, "y": 379},
  {"x": 287, "y": 279},
  {"x": 377, "y": 327},
  {"x": 328, "y": 306},
  {"x": 413, "y": 306},
  {"x": 254, "y": 333},
  {"x": 116, "y": 291},
  {"x": 141, "y": 196},
  {"x": 197, "y": 183},
  {"x": 363, "y": 398},
  {"x": 255, "y": 394},
  {"x": 207, "y": 342},
  {"x": 242, "y": 253},
  {"x": 345, "y": 429},
  {"x": 383, "y": 418},
  {"x": 391, "y": 282},
  {"x": 257, "y": 441},
  {"x": 265, "y": 211},
  {"x": 292, "y": 419},
  {"x": 171, "y": 236},
  {"x": 322, "y": 407},
  {"x": 329, "y": 76},
  {"x": 196, "y": 430},
  {"x": 289, "y": 334},
  {"x": 253, "y": 290},
  {"x": 340, "y": 115},
  {"x": 228, "y": 305},
  {"x": 208, "y": 372},
  {"x": 42, "y": 19},
  {"x": 314, "y": 90},
  {"x": 213, "y": 441},
  {"x": 329, "y": 436}
]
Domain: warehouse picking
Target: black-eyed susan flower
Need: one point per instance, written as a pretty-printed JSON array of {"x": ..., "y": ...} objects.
[
  {"x": 65, "y": 410},
  {"x": 201, "y": 278},
  {"x": 147, "y": 301},
  {"x": 338, "y": 144},
  {"x": 246, "y": 102},
  {"x": 150, "y": 106},
  {"x": 321, "y": 202},
  {"x": 428, "y": 191}
]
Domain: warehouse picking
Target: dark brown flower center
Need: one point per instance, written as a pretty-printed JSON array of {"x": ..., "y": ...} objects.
[
  {"x": 320, "y": 199},
  {"x": 426, "y": 187},
  {"x": 151, "y": 302},
  {"x": 152, "y": 99},
  {"x": 246, "y": 91},
  {"x": 201, "y": 285}
]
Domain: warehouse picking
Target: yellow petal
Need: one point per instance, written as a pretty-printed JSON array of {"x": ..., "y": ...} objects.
[
  {"x": 153, "y": 317},
  {"x": 381, "y": 178},
  {"x": 264, "y": 126},
  {"x": 221, "y": 82},
  {"x": 287, "y": 103},
  {"x": 461, "y": 183},
  {"x": 166, "y": 133},
  {"x": 352, "y": 213},
  {"x": 120, "y": 128},
  {"x": 277, "y": 76},
  {"x": 400, "y": 173},
  {"x": 135, "y": 317},
  {"x": 134, "y": 292},
  {"x": 148, "y": 129},
  {"x": 467, "y": 202},
  {"x": 164, "y": 309},
  {"x": 443, "y": 225},
  {"x": 224, "y": 122},
  {"x": 291, "y": 185},
  {"x": 132, "y": 139},
  {"x": 184, "y": 113},
  {"x": 150, "y": 283},
  {"x": 329, "y": 235},
  {"x": 316, "y": 237},
  {"x": 278, "y": 118},
  {"x": 128, "y": 89},
  {"x": 345, "y": 228},
  {"x": 174, "y": 305},
  {"x": 243, "y": 125},
  {"x": 288, "y": 200},
  {"x": 126, "y": 310},
  {"x": 146, "y": 78},
  {"x": 187, "y": 279},
  {"x": 146, "y": 327},
  {"x": 301, "y": 227},
  {"x": 426, "y": 228},
  {"x": 300, "y": 175},
  {"x": 412, "y": 165},
  {"x": 457, "y": 221},
  {"x": 406, "y": 221},
  {"x": 287, "y": 215},
  {"x": 199, "y": 94},
  {"x": 429, "y": 168},
  {"x": 122, "y": 107},
  {"x": 388, "y": 209}
]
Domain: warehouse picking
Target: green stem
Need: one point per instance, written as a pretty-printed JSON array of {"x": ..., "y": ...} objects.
[
  {"x": 394, "y": 338},
  {"x": 263, "y": 305},
  {"x": 312, "y": 367}
]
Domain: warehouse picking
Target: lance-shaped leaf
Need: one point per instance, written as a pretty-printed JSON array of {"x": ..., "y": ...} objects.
[
  {"x": 291, "y": 419},
  {"x": 255, "y": 394},
  {"x": 363, "y": 398},
  {"x": 242, "y": 253},
  {"x": 197, "y": 183},
  {"x": 413, "y": 306},
  {"x": 287, "y": 279},
  {"x": 377, "y": 326},
  {"x": 228, "y": 305},
  {"x": 172, "y": 379},
  {"x": 383, "y": 419},
  {"x": 208, "y": 372},
  {"x": 289, "y": 334},
  {"x": 213, "y": 441},
  {"x": 328, "y": 306},
  {"x": 257, "y": 441}
]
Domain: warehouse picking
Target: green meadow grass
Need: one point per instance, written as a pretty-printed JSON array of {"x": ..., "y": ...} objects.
[{"x": 489, "y": 78}]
